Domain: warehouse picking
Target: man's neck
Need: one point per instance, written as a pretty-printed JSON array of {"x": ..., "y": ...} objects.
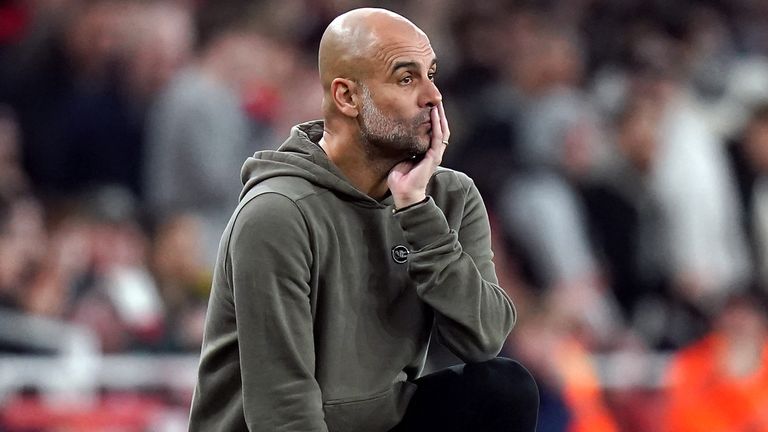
[{"x": 365, "y": 171}]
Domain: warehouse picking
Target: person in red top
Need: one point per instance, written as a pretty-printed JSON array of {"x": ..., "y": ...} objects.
[{"x": 720, "y": 383}]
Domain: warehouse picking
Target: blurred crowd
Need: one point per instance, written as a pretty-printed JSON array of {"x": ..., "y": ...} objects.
[{"x": 621, "y": 147}]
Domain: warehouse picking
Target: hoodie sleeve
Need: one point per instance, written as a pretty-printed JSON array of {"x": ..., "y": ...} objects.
[
  {"x": 270, "y": 270},
  {"x": 455, "y": 275}
]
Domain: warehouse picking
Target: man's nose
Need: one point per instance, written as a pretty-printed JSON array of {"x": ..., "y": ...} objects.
[{"x": 431, "y": 95}]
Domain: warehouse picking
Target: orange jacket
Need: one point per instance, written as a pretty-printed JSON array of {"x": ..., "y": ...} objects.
[
  {"x": 701, "y": 397},
  {"x": 581, "y": 390}
]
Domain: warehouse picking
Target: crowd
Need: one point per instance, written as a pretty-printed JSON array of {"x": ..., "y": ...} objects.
[{"x": 621, "y": 148}]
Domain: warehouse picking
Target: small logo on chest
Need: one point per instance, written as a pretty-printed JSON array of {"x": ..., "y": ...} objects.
[{"x": 400, "y": 254}]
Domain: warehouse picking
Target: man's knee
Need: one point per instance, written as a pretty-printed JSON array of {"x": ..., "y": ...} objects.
[
  {"x": 505, "y": 379},
  {"x": 506, "y": 391}
]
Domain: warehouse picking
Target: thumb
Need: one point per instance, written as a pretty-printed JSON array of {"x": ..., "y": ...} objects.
[{"x": 399, "y": 171}]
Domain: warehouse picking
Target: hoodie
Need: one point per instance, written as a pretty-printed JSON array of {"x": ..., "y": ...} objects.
[{"x": 324, "y": 299}]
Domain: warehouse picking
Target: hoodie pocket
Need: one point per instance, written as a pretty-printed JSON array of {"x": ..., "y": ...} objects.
[{"x": 379, "y": 412}]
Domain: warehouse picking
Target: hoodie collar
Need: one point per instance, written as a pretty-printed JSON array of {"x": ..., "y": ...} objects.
[{"x": 301, "y": 156}]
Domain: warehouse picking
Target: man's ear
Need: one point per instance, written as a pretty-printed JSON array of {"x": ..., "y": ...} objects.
[{"x": 343, "y": 96}]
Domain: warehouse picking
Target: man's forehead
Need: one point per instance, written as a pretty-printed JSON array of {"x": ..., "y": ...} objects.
[{"x": 393, "y": 52}]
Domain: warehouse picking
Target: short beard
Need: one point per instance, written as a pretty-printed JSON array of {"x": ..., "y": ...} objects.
[{"x": 382, "y": 135}]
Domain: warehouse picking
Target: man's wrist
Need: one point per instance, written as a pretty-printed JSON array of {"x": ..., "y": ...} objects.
[
  {"x": 397, "y": 208},
  {"x": 403, "y": 201}
]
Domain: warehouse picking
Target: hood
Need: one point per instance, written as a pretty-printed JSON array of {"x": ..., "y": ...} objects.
[{"x": 301, "y": 156}]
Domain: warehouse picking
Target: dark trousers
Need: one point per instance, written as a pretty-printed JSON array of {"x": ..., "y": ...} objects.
[{"x": 496, "y": 395}]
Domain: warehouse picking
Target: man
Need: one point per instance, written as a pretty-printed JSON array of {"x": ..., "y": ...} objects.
[
  {"x": 749, "y": 160},
  {"x": 349, "y": 245}
]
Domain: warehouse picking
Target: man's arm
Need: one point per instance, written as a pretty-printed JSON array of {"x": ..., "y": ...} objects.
[
  {"x": 453, "y": 271},
  {"x": 270, "y": 264},
  {"x": 454, "y": 274}
]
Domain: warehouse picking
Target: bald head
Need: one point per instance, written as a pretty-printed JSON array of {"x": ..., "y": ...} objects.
[{"x": 350, "y": 45}]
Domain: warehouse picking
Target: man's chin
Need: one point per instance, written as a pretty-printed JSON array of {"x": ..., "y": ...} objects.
[
  {"x": 414, "y": 157},
  {"x": 418, "y": 152},
  {"x": 423, "y": 143}
]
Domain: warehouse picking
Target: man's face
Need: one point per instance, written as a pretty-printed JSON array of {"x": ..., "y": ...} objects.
[
  {"x": 396, "y": 100},
  {"x": 393, "y": 131},
  {"x": 638, "y": 134},
  {"x": 756, "y": 142}
]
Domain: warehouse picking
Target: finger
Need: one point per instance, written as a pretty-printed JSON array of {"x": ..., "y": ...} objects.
[
  {"x": 438, "y": 145},
  {"x": 398, "y": 172},
  {"x": 437, "y": 129},
  {"x": 402, "y": 168},
  {"x": 443, "y": 121}
]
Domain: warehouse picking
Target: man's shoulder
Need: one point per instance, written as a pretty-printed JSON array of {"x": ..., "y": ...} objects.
[
  {"x": 281, "y": 196},
  {"x": 292, "y": 188},
  {"x": 266, "y": 212}
]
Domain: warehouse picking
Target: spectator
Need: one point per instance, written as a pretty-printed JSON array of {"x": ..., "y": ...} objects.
[
  {"x": 557, "y": 145},
  {"x": 11, "y": 268},
  {"x": 116, "y": 295},
  {"x": 708, "y": 252},
  {"x": 22, "y": 248},
  {"x": 183, "y": 280},
  {"x": 12, "y": 175},
  {"x": 681, "y": 236},
  {"x": 199, "y": 133},
  {"x": 75, "y": 124},
  {"x": 626, "y": 219},
  {"x": 720, "y": 383},
  {"x": 750, "y": 160},
  {"x": 572, "y": 399}
]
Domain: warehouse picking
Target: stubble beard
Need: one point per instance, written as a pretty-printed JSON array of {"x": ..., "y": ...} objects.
[{"x": 382, "y": 135}]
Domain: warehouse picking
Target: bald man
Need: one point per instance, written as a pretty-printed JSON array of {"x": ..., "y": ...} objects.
[{"x": 349, "y": 248}]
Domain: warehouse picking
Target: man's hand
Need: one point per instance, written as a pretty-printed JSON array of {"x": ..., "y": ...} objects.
[{"x": 408, "y": 180}]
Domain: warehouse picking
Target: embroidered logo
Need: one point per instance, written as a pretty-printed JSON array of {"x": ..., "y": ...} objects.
[{"x": 400, "y": 254}]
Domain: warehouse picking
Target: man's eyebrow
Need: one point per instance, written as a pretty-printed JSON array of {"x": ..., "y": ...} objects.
[
  {"x": 409, "y": 64},
  {"x": 404, "y": 65}
]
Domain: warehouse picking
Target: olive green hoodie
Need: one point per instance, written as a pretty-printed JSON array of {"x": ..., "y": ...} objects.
[{"x": 323, "y": 299}]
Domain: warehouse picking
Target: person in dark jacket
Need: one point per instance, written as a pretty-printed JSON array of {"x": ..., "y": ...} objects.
[{"x": 351, "y": 248}]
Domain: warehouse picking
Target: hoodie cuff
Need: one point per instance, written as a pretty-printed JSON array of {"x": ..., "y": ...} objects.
[{"x": 422, "y": 224}]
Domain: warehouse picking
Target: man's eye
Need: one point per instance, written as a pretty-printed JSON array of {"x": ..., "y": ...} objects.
[
  {"x": 406, "y": 80},
  {"x": 431, "y": 76}
]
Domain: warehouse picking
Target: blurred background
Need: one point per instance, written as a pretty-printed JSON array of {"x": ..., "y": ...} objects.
[{"x": 621, "y": 147}]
